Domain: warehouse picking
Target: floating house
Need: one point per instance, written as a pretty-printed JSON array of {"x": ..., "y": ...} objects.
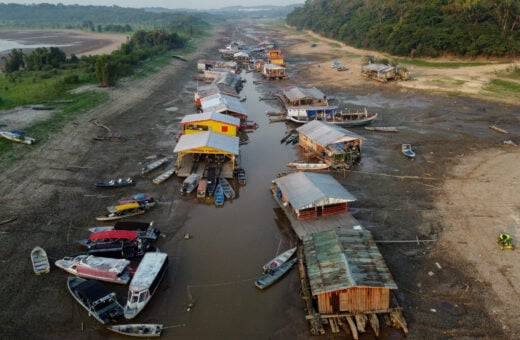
[
  {"x": 379, "y": 72},
  {"x": 211, "y": 89},
  {"x": 241, "y": 57},
  {"x": 330, "y": 143},
  {"x": 275, "y": 56},
  {"x": 224, "y": 104},
  {"x": 206, "y": 143},
  {"x": 273, "y": 71},
  {"x": 210, "y": 121},
  {"x": 299, "y": 96},
  {"x": 310, "y": 195},
  {"x": 348, "y": 278}
]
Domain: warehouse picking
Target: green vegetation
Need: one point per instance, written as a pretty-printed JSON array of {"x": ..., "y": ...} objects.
[
  {"x": 417, "y": 28},
  {"x": 504, "y": 87},
  {"x": 424, "y": 63}
]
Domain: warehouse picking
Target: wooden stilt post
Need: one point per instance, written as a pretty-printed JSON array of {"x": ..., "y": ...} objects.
[
  {"x": 353, "y": 329},
  {"x": 361, "y": 321},
  {"x": 374, "y": 323}
]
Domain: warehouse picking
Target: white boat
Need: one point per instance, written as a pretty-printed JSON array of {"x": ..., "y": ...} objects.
[
  {"x": 96, "y": 299},
  {"x": 229, "y": 192},
  {"x": 271, "y": 277},
  {"x": 164, "y": 176},
  {"x": 201, "y": 188},
  {"x": 96, "y": 267},
  {"x": 153, "y": 165},
  {"x": 309, "y": 166},
  {"x": 17, "y": 136},
  {"x": 406, "y": 149},
  {"x": 330, "y": 114},
  {"x": 142, "y": 330},
  {"x": 40, "y": 261},
  {"x": 145, "y": 282},
  {"x": 279, "y": 260},
  {"x": 387, "y": 129},
  {"x": 190, "y": 183}
]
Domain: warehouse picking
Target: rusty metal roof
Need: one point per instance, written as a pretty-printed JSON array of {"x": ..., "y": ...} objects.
[
  {"x": 220, "y": 103},
  {"x": 298, "y": 93},
  {"x": 344, "y": 258},
  {"x": 308, "y": 189},
  {"x": 324, "y": 134},
  {"x": 378, "y": 67}
]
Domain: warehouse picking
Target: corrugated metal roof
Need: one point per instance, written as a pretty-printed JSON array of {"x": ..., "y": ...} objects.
[
  {"x": 210, "y": 139},
  {"x": 307, "y": 189},
  {"x": 378, "y": 67},
  {"x": 215, "y": 116},
  {"x": 207, "y": 90},
  {"x": 220, "y": 102},
  {"x": 297, "y": 93},
  {"x": 324, "y": 134},
  {"x": 344, "y": 258}
]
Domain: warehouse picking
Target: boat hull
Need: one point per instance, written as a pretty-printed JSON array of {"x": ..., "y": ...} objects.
[
  {"x": 141, "y": 330},
  {"x": 40, "y": 261},
  {"x": 268, "y": 279}
]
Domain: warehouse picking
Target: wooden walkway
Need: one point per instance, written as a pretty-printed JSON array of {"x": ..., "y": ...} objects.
[{"x": 322, "y": 223}]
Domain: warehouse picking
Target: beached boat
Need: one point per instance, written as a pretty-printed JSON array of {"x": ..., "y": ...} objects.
[
  {"x": 110, "y": 236},
  {"x": 154, "y": 165},
  {"x": 241, "y": 176},
  {"x": 272, "y": 276},
  {"x": 142, "y": 330},
  {"x": 201, "y": 188},
  {"x": 122, "y": 211},
  {"x": 212, "y": 181},
  {"x": 229, "y": 192},
  {"x": 120, "y": 249},
  {"x": 40, "y": 261},
  {"x": 406, "y": 149},
  {"x": 100, "y": 302},
  {"x": 497, "y": 129},
  {"x": 278, "y": 260},
  {"x": 219, "y": 195},
  {"x": 97, "y": 268},
  {"x": 190, "y": 183},
  {"x": 17, "y": 136},
  {"x": 124, "y": 225},
  {"x": 144, "y": 200},
  {"x": 116, "y": 183},
  {"x": 309, "y": 166},
  {"x": 329, "y": 114},
  {"x": 145, "y": 282},
  {"x": 164, "y": 176},
  {"x": 385, "y": 129}
]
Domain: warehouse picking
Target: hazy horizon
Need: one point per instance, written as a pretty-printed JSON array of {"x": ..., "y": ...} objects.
[{"x": 170, "y": 4}]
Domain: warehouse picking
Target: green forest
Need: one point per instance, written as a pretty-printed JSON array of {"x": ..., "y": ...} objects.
[{"x": 429, "y": 28}]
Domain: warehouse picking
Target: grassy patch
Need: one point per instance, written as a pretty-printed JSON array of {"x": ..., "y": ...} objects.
[
  {"x": 512, "y": 72},
  {"x": 423, "y": 63},
  {"x": 334, "y": 45},
  {"x": 448, "y": 82},
  {"x": 503, "y": 88}
]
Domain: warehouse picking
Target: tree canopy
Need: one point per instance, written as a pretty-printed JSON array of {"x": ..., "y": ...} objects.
[{"x": 417, "y": 28}]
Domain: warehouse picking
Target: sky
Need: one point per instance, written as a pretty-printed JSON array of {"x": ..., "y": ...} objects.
[{"x": 192, "y": 4}]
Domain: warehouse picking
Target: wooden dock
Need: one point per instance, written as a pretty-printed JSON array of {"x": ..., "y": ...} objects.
[{"x": 322, "y": 223}]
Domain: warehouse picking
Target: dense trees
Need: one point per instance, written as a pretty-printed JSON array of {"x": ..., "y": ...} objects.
[{"x": 417, "y": 28}]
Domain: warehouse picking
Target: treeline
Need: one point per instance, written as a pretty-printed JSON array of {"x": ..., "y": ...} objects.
[
  {"x": 417, "y": 28},
  {"x": 106, "y": 68}
]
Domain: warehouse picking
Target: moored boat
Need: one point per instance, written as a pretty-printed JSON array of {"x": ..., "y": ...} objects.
[
  {"x": 164, "y": 176},
  {"x": 154, "y": 165},
  {"x": 122, "y": 211},
  {"x": 190, "y": 183},
  {"x": 97, "y": 267},
  {"x": 145, "y": 282},
  {"x": 272, "y": 276},
  {"x": 406, "y": 149},
  {"x": 144, "y": 200},
  {"x": 143, "y": 330},
  {"x": 229, "y": 192},
  {"x": 387, "y": 129},
  {"x": 241, "y": 176},
  {"x": 309, "y": 166},
  {"x": 279, "y": 260},
  {"x": 96, "y": 299},
  {"x": 124, "y": 225},
  {"x": 219, "y": 195},
  {"x": 17, "y": 136},
  {"x": 40, "y": 261},
  {"x": 201, "y": 188},
  {"x": 329, "y": 114},
  {"x": 116, "y": 183}
]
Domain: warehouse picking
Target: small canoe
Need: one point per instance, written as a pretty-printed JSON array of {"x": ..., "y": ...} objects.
[
  {"x": 241, "y": 175},
  {"x": 406, "y": 149},
  {"x": 387, "y": 129},
  {"x": 116, "y": 183},
  {"x": 40, "y": 261},
  {"x": 271, "y": 277},
  {"x": 309, "y": 166},
  {"x": 497, "y": 129},
  {"x": 153, "y": 165},
  {"x": 164, "y": 176},
  {"x": 201, "y": 189},
  {"x": 143, "y": 330},
  {"x": 279, "y": 260},
  {"x": 219, "y": 195},
  {"x": 17, "y": 136},
  {"x": 227, "y": 188}
]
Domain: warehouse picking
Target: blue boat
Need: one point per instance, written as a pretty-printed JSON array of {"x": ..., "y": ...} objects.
[
  {"x": 219, "y": 195},
  {"x": 406, "y": 149},
  {"x": 272, "y": 276}
]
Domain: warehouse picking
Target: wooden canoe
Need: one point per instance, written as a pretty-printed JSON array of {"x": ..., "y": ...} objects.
[
  {"x": 279, "y": 260},
  {"x": 40, "y": 261},
  {"x": 143, "y": 330},
  {"x": 273, "y": 276},
  {"x": 164, "y": 176}
]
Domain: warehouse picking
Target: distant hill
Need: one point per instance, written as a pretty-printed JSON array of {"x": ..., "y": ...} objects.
[{"x": 417, "y": 28}]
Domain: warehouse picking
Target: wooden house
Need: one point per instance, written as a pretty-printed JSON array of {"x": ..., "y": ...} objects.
[
  {"x": 241, "y": 57},
  {"x": 330, "y": 143},
  {"x": 311, "y": 195},
  {"x": 347, "y": 273},
  {"x": 273, "y": 71},
  {"x": 224, "y": 104},
  {"x": 210, "y": 121},
  {"x": 379, "y": 72},
  {"x": 204, "y": 65},
  {"x": 298, "y": 96}
]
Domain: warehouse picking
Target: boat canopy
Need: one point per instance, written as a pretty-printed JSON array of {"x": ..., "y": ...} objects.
[
  {"x": 126, "y": 206},
  {"x": 113, "y": 234}
]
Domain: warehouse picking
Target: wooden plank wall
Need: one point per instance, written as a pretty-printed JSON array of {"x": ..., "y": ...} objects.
[{"x": 354, "y": 300}]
